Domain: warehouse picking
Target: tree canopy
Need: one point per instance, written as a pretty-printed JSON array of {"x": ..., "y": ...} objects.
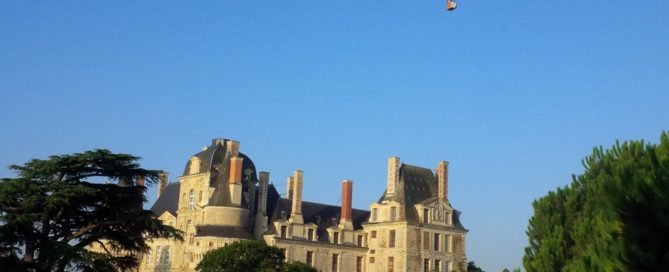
[
  {"x": 55, "y": 209},
  {"x": 613, "y": 217},
  {"x": 245, "y": 256}
]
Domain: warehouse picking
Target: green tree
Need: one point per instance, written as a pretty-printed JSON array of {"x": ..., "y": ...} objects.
[
  {"x": 471, "y": 267},
  {"x": 242, "y": 256},
  {"x": 56, "y": 208},
  {"x": 613, "y": 217},
  {"x": 298, "y": 267}
]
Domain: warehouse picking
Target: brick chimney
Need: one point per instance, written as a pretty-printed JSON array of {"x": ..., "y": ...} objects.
[
  {"x": 442, "y": 177},
  {"x": 232, "y": 147},
  {"x": 296, "y": 209},
  {"x": 393, "y": 175},
  {"x": 346, "y": 221},
  {"x": 235, "y": 180},
  {"x": 139, "y": 181},
  {"x": 162, "y": 182}
]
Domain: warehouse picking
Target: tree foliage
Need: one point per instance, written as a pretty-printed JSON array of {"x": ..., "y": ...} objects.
[
  {"x": 242, "y": 256},
  {"x": 472, "y": 267},
  {"x": 55, "y": 209},
  {"x": 613, "y": 217}
]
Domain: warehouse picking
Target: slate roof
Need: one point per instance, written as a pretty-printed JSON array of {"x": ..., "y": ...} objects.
[
  {"x": 223, "y": 231},
  {"x": 416, "y": 185},
  {"x": 168, "y": 200},
  {"x": 323, "y": 215}
]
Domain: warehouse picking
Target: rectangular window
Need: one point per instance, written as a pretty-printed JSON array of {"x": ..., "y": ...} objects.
[
  {"x": 391, "y": 264},
  {"x": 285, "y": 254},
  {"x": 359, "y": 240},
  {"x": 449, "y": 265},
  {"x": 426, "y": 265},
  {"x": 426, "y": 214},
  {"x": 283, "y": 232},
  {"x": 310, "y": 235},
  {"x": 426, "y": 240},
  {"x": 335, "y": 238},
  {"x": 373, "y": 234},
  {"x": 437, "y": 265},
  {"x": 449, "y": 248},
  {"x": 393, "y": 214},
  {"x": 436, "y": 242},
  {"x": 371, "y": 259},
  {"x": 358, "y": 264},
  {"x": 310, "y": 258},
  {"x": 374, "y": 212},
  {"x": 391, "y": 238},
  {"x": 335, "y": 262}
]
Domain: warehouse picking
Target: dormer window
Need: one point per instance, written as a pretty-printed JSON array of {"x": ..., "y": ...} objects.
[
  {"x": 335, "y": 238},
  {"x": 310, "y": 235},
  {"x": 393, "y": 214}
]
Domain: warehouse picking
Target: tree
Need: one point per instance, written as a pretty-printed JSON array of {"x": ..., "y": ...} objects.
[
  {"x": 56, "y": 209},
  {"x": 613, "y": 217},
  {"x": 471, "y": 267},
  {"x": 242, "y": 256},
  {"x": 298, "y": 267}
]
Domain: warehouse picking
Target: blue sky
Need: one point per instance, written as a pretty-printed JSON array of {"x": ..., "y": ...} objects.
[{"x": 513, "y": 93}]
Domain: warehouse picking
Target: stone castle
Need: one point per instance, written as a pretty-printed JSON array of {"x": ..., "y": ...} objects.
[{"x": 221, "y": 198}]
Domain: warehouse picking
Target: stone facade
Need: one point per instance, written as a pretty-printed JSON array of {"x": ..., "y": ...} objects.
[{"x": 221, "y": 199}]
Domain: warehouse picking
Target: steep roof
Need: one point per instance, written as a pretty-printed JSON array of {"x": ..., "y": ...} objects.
[
  {"x": 323, "y": 215},
  {"x": 168, "y": 200}
]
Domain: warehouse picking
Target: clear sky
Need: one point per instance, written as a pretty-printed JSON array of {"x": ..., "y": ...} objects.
[{"x": 512, "y": 93}]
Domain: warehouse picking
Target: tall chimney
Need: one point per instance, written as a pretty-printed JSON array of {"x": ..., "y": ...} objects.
[
  {"x": 393, "y": 174},
  {"x": 346, "y": 210},
  {"x": 442, "y": 177},
  {"x": 233, "y": 148},
  {"x": 139, "y": 181},
  {"x": 296, "y": 210},
  {"x": 162, "y": 182},
  {"x": 289, "y": 187},
  {"x": 262, "y": 194},
  {"x": 235, "y": 180}
]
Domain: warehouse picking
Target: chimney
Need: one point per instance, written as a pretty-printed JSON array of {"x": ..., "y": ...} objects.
[
  {"x": 296, "y": 210},
  {"x": 262, "y": 194},
  {"x": 346, "y": 212},
  {"x": 235, "y": 180},
  {"x": 393, "y": 175},
  {"x": 233, "y": 148},
  {"x": 162, "y": 182},
  {"x": 139, "y": 181},
  {"x": 289, "y": 187},
  {"x": 442, "y": 177}
]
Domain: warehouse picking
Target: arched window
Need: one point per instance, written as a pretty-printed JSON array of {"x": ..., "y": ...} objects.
[{"x": 191, "y": 200}]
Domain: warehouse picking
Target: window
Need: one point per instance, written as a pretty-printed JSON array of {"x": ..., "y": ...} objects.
[
  {"x": 371, "y": 260},
  {"x": 437, "y": 265},
  {"x": 436, "y": 242},
  {"x": 374, "y": 212},
  {"x": 191, "y": 200},
  {"x": 200, "y": 196},
  {"x": 310, "y": 258},
  {"x": 359, "y": 240},
  {"x": 391, "y": 264},
  {"x": 449, "y": 247},
  {"x": 285, "y": 254},
  {"x": 358, "y": 264},
  {"x": 335, "y": 262},
  {"x": 211, "y": 244},
  {"x": 426, "y": 214},
  {"x": 391, "y": 238},
  {"x": 449, "y": 265},
  {"x": 426, "y": 265},
  {"x": 373, "y": 234},
  {"x": 449, "y": 218},
  {"x": 335, "y": 238},
  {"x": 283, "y": 232},
  {"x": 393, "y": 214},
  {"x": 426, "y": 240},
  {"x": 310, "y": 235}
]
